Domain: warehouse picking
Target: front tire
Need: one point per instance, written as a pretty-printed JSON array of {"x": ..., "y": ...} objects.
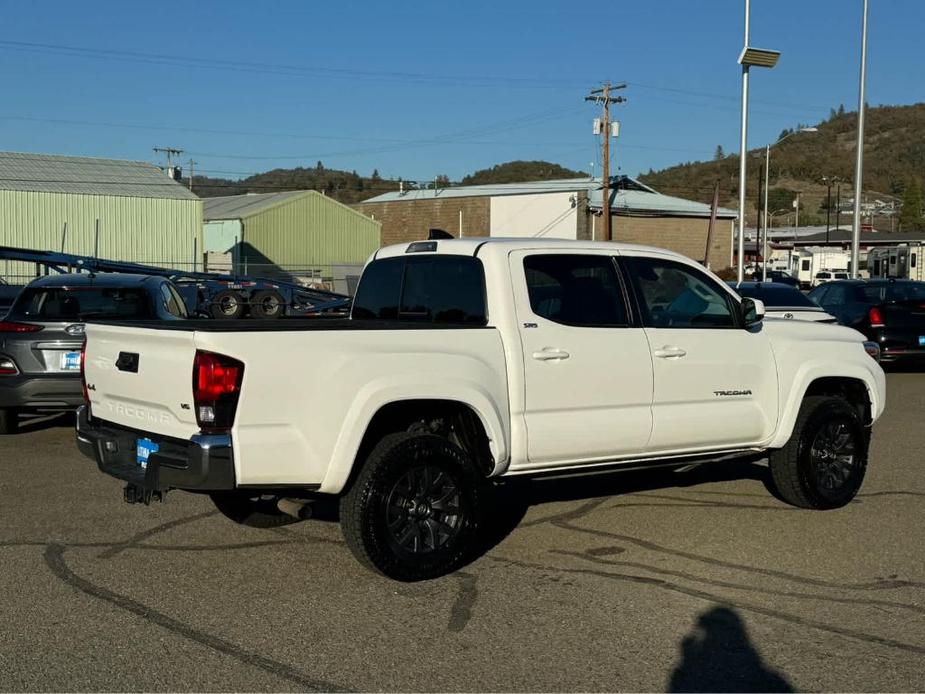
[
  {"x": 252, "y": 509},
  {"x": 823, "y": 464},
  {"x": 414, "y": 511}
]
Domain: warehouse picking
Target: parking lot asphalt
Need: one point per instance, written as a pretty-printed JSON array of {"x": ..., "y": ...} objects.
[{"x": 679, "y": 581}]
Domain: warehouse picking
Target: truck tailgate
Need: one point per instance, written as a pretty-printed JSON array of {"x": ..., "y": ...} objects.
[{"x": 142, "y": 378}]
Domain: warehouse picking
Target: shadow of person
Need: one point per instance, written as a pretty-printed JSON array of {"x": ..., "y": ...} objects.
[{"x": 718, "y": 657}]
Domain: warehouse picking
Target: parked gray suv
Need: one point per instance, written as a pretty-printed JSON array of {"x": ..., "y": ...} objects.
[{"x": 41, "y": 336}]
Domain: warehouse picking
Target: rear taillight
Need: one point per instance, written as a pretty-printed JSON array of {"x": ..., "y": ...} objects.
[
  {"x": 8, "y": 367},
  {"x": 216, "y": 387},
  {"x": 83, "y": 373},
  {"x": 875, "y": 317},
  {"x": 12, "y": 327}
]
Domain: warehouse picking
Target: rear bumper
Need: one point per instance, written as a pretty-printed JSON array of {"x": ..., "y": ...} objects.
[
  {"x": 898, "y": 343},
  {"x": 36, "y": 391},
  {"x": 204, "y": 463}
]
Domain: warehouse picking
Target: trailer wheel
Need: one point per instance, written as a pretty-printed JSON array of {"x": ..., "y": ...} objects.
[
  {"x": 267, "y": 304},
  {"x": 227, "y": 304}
]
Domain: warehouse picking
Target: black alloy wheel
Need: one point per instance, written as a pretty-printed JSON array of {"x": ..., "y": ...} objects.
[
  {"x": 823, "y": 464},
  {"x": 415, "y": 509},
  {"x": 423, "y": 511},
  {"x": 833, "y": 456}
]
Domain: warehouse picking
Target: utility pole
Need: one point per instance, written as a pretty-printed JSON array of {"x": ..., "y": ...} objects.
[
  {"x": 827, "y": 182},
  {"x": 796, "y": 214},
  {"x": 602, "y": 96},
  {"x": 170, "y": 152},
  {"x": 191, "y": 165}
]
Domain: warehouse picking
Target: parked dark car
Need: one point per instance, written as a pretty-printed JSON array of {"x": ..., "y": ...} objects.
[
  {"x": 778, "y": 277},
  {"x": 41, "y": 336},
  {"x": 890, "y": 312},
  {"x": 783, "y": 301}
]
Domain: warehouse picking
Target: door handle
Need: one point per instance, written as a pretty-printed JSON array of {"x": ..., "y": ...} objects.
[
  {"x": 669, "y": 352},
  {"x": 550, "y": 354}
]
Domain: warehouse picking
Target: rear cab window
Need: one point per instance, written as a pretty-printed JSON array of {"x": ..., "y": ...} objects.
[
  {"x": 442, "y": 289},
  {"x": 83, "y": 303}
]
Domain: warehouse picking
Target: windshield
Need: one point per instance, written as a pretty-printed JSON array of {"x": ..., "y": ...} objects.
[
  {"x": 775, "y": 295},
  {"x": 81, "y": 303},
  {"x": 823, "y": 275}
]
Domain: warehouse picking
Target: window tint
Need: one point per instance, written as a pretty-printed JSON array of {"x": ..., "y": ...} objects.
[
  {"x": 79, "y": 303},
  {"x": 444, "y": 289},
  {"x": 579, "y": 290},
  {"x": 379, "y": 290},
  {"x": 433, "y": 289},
  {"x": 673, "y": 295}
]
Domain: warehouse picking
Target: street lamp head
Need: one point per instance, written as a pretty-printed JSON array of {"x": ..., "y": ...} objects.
[{"x": 758, "y": 57}]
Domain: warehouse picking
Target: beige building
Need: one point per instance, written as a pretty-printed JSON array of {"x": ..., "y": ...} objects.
[{"x": 568, "y": 209}]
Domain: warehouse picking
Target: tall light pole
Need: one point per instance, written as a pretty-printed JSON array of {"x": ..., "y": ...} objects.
[
  {"x": 767, "y": 184},
  {"x": 749, "y": 57},
  {"x": 859, "y": 161}
]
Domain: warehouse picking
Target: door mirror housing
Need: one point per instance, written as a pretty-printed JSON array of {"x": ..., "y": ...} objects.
[{"x": 752, "y": 311}]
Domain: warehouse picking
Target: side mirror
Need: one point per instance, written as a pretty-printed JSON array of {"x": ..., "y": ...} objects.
[{"x": 752, "y": 311}]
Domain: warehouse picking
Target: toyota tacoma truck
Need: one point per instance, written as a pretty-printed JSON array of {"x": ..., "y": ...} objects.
[{"x": 465, "y": 362}]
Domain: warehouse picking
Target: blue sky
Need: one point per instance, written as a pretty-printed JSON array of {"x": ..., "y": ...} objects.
[{"x": 420, "y": 89}]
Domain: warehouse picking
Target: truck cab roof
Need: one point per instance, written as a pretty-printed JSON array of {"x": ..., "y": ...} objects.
[{"x": 476, "y": 245}]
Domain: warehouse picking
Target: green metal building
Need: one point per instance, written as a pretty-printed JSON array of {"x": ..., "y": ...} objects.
[
  {"x": 301, "y": 234},
  {"x": 123, "y": 210}
]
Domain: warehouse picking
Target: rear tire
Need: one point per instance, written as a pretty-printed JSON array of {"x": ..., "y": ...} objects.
[
  {"x": 823, "y": 464},
  {"x": 252, "y": 509},
  {"x": 267, "y": 304},
  {"x": 9, "y": 421},
  {"x": 415, "y": 509},
  {"x": 227, "y": 305}
]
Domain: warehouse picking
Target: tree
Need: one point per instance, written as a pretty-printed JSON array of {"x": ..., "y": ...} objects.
[
  {"x": 841, "y": 109},
  {"x": 780, "y": 199},
  {"x": 910, "y": 219},
  {"x": 720, "y": 154},
  {"x": 376, "y": 176}
]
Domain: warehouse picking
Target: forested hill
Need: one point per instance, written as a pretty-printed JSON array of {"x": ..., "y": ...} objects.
[
  {"x": 350, "y": 187},
  {"x": 894, "y": 160}
]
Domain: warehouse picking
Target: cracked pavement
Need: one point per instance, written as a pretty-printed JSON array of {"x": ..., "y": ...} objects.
[{"x": 641, "y": 581}]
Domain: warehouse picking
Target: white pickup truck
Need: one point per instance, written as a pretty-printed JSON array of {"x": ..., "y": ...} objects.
[{"x": 465, "y": 361}]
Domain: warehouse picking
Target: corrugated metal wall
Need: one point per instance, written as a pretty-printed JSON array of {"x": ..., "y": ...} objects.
[
  {"x": 311, "y": 230},
  {"x": 147, "y": 230}
]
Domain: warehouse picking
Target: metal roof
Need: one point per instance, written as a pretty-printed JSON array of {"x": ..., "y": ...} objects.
[
  {"x": 51, "y": 173},
  {"x": 240, "y": 206},
  {"x": 630, "y": 196},
  {"x": 842, "y": 236},
  {"x": 653, "y": 203}
]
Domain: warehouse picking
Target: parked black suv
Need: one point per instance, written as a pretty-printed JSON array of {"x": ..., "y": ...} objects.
[{"x": 890, "y": 312}]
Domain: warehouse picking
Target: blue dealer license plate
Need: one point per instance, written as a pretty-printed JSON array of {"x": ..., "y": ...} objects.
[
  {"x": 143, "y": 449},
  {"x": 70, "y": 361}
]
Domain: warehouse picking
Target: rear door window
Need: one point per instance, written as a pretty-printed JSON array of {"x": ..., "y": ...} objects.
[
  {"x": 84, "y": 303},
  {"x": 577, "y": 290}
]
